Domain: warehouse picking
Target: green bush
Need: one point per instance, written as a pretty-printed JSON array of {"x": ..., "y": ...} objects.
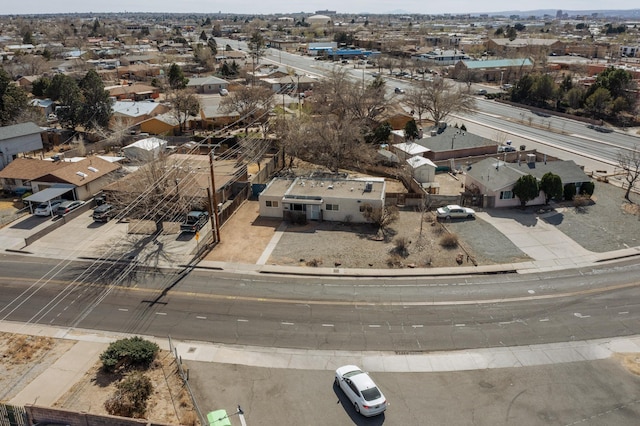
[
  {"x": 569, "y": 191},
  {"x": 130, "y": 397},
  {"x": 587, "y": 188},
  {"x": 126, "y": 353}
]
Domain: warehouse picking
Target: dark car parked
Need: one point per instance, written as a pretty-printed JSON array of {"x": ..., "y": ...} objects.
[
  {"x": 195, "y": 220},
  {"x": 104, "y": 213}
]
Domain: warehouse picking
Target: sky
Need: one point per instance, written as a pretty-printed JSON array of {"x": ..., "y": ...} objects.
[{"x": 307, "y": 6}]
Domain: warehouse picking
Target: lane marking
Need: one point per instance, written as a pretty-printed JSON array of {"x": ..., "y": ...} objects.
[
  {"x": 199, "y": 317},
  {"x": 161, "y": 313},
  {"x": 123, "y": 310},
  {"x": 286, "y": 323},
  {"x": 328, "y": 325},
  {"x": 242, "y": 320}
]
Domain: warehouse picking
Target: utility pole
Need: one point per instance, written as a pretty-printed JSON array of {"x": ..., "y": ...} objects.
[{"x": 216, "y": 228}]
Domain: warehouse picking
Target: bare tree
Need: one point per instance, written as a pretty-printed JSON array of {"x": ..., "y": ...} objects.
[
  {"x": 444, "y": 98},
  {"x": 630, "y": 163},
  {"x": 252, "y": 103},
  {"x": 383, "y": 217},
  {"x": 185, "y": 104}
]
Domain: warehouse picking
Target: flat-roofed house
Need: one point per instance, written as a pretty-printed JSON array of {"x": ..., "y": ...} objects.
[{"x": 332, "y": 199}]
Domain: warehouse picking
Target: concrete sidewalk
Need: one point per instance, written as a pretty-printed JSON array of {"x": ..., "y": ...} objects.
[{"x": 69, "y": 367}]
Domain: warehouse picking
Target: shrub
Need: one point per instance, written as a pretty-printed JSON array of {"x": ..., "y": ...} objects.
[
  {"x": 569, "y": 191},
  {"x": 449, "y": 240},
  {"x": 130, "y": 397},
  {"x": 314, "y": 262},
  {"x": 131, "y": 352},
  {"x": 401, "y": 246},
  {"x": 581, "y": 201},
  {"x": 394, "y": 261},
  {"x": 587, "y": 188}
]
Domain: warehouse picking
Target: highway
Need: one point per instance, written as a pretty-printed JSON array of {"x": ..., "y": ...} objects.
[
  {"x": 570, "y": 136},
  {"x": 327, "y": 313}
]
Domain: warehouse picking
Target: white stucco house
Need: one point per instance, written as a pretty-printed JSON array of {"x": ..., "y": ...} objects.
[
  {"x": 331, "y": 199},
  {"x": 19, "y": 139}
]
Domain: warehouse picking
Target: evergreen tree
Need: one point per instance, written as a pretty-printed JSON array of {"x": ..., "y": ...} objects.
[
  {"x": 551, "y": 184},
  {"x": 176, "y": 77},
  {"x": 526, "y": 189},
  {"x": 13, "y": 99}
]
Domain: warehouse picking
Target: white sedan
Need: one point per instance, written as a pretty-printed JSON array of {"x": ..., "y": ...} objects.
[
  {"x": 46, "y": 209},
  {"x": 361, "y": 390},
  {"x": 455, "y": 212}
]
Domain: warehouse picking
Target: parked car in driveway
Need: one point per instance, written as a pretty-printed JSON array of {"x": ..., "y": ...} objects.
[
  {"x": 47, "y": 209},
  {"x": 399, "y": 91},
  {"x": 195, "y": 220},
  {"x": 104, "y": 213},
  {"x": 361, "y": 390},
  {"x": 453, "y": 211},
  {"x": 67, "y": 206}
]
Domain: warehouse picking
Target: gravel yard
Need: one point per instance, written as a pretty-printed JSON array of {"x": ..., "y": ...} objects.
[
  {"x": 610, "y": 223},
  {"x": 355, "y": 246}
]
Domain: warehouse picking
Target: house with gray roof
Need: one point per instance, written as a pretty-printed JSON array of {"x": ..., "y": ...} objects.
[
  {"x": 19, "y": 139},
  {"x": 494, "y": 178},
  {"x": 452, "y": 142},
  {"x": 208, "y": 85}
]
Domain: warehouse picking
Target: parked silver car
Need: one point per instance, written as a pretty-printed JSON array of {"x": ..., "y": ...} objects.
[
  {"x": 453, "y": 211},
  {"x": 47, "y": 209}
]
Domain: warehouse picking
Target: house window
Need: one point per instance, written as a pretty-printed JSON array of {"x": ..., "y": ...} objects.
[
  {"x": 506, "y": 195},
  {"x": 333, "y": 207},
  {"x": 272, "y": 203},
  {"x": 298, "y": 207},
  {"x": 367, "y": 208}
]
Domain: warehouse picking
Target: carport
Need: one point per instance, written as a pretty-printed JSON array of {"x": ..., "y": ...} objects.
[{"x": 46, "y": 195}]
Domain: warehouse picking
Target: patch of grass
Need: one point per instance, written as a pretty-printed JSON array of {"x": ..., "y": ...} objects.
[{"x": 21, "y": 349}]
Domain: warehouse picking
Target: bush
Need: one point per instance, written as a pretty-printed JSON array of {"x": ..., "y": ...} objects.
[
  {"x": 587, "y": 188},
  {"x": 131, "y": 352},
  {"x": 581, "y": 201},
  {"x": 314, "y": 262},
  {"x": 449, "y": 240},
  {"x": 401, "y": 246},
  {"x": 394, "y": 261},
  {"x": 130, "y": 397},
  {"x": 569, "y": 191}
]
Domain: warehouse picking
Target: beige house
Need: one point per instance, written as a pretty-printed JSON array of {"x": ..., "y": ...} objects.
[{"x": 332, "y": 199}]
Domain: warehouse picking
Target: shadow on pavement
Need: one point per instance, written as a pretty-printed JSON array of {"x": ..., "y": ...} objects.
[
  {"x": 526, "y": 217},
  {"x": 356, "y": 418}
]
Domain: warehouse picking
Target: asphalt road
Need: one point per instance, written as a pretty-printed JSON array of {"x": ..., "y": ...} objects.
[{"x": 327, "y": 313}]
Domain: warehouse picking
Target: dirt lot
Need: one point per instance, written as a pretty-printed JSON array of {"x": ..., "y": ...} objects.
[
  {"x": 169, "y": 403},
  {"x": 23, "y": 358}
]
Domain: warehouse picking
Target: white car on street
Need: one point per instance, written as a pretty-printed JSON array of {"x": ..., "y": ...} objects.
[
  {"x": 453, "y": 211},
  {"x": 363, "y": 393}
]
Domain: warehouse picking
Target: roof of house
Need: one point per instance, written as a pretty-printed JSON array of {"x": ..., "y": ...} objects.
[
  {"x": 203, "y": 81},
  {"x": 498, "y": 63},
  {"x": 495, "y": 174},
  {"x": 411, "y": 148},
  {"x": 80, "y": 173},
  {"x": 418, "y": 161},
  {"x": 28, "y": 169},
  {"x": 303, "y": 188},
  {"x": 125, "y": 89},
  {"x": 18, "y": 130},
  {"x": 148, "y": 144},
  {"x": 521, "y": 42},
  {"x": 134, "y": 109},
  {"x": 452, "y": 139}
]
